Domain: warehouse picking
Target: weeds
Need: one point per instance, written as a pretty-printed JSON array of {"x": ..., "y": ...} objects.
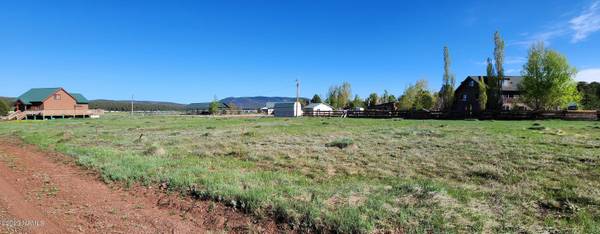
[{"x": 341, "y": 143}]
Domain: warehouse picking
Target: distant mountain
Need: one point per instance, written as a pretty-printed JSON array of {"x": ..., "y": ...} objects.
[
  {"x": 124, "y": 105},
  {"x": 253, "y": 103}
]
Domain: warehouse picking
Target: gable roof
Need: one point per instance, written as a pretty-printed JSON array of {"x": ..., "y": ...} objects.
[
  {"x": 279, "y": 105},
  {"x": 37, "y": 95},
  {"x": 80, "y": 99},
  {"x": 313, "y": 105},
  {"x": 511, "y": 83},
  {"x": 41, "y": 94}
]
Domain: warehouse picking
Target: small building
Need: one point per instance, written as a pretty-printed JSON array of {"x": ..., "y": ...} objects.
[
  {"x": 268, "y": 108},
  {"x": 318, "y": 109},
  {"x": 287, "y": 109},
  {"x": 43, "y": 103},
  {"x": 466, "y": 96}
]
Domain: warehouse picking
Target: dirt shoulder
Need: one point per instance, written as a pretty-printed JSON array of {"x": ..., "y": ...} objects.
[{"x": 43, "y": 192}]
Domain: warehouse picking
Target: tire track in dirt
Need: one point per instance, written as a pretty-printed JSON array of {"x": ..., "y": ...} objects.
[{"x": 49, "y": 188}]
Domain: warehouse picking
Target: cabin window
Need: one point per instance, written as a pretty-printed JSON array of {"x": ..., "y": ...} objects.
[
  {"x": 56, "y": 96},
  {"x": 472, "y": 83},
  {"x": 465, "y": 97}
]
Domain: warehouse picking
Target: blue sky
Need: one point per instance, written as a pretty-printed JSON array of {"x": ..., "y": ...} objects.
[{"x": 190, "y": 51}]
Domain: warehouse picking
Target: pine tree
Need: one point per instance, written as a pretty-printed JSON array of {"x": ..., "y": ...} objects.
[
  {"x": 4, "y": 108},
  {"x": 316, "y": 99}
]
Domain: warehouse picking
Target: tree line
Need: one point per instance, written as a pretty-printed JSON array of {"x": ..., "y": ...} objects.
[
  {"x": 109, "y": 105},
  {"x": 548, "y": 84},
  {"x": 415, "y": 96}
]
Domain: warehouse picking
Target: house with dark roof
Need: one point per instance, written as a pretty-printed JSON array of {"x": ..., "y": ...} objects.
[
  {"x": 43, "y": 103},
  {"x": 466, "y": 96}
]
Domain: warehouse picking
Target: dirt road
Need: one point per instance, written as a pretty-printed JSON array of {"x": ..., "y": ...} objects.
[{"x": 44, "y": 192}]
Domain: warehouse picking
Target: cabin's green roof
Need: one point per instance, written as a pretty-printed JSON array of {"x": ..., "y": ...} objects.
[
  {"x": 80, "y": 98},
  {"x": 41, "y": 94},
  {"x": 36, "y": 95}
]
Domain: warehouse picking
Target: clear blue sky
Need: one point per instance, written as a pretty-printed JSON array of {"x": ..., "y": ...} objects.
[{"x": 190, "y": 51}]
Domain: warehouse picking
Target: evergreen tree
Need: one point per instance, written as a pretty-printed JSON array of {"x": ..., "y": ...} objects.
[
  {"x": 590, "y": 93},
  {"x": 316, "y": 99},
  {"x": 4, "y": 108}
]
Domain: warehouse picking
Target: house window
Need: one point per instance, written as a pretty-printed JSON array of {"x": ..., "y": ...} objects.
[
  {"x": 56, "y": 96},
  {"x": 471, "y": 83},
  {"x": 465, "y": 97}
]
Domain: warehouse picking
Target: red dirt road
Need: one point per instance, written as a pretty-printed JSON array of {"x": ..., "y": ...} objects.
[{"x": 48, "y": 193}]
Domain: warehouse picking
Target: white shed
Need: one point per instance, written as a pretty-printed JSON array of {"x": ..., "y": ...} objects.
[
  {"x": 318, "y": 107},
  {"x": 287, "y": 109}
]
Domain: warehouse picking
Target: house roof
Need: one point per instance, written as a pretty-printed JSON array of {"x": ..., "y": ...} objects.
[
  {"x": 270, "y": 105},
  {"x": 36, "y": 95},
  {"x": 41, "y": 94},
  {"x": 511, "y": 83},
  {"x": 285, "y": 105},
  {"x": 313, "y": 105},
  {"x": 80, "y": 99}
]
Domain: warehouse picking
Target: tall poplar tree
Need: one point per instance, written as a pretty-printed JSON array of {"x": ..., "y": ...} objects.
[
  {"x": 492, "y": 89},
  {"x": 499, "y": 59},
  {"x": 447, "y": 91}
]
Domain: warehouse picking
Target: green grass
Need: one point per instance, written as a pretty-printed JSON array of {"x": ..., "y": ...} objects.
[{"x": 353, "y": 175}]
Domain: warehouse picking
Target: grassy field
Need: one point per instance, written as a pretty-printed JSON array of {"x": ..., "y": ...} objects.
[{"x": 353, "y": 175}]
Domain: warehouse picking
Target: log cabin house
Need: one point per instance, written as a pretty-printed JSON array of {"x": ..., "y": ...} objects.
[{"x": 50, "y": 103}]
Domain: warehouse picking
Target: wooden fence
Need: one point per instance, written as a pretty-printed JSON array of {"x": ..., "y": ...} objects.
[{"x": 502, "y": 115}]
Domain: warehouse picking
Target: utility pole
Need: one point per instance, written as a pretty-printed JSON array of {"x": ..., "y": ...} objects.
[
  {"x": 297, "y": 90},
  {"x": 132, "y": 104}
]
